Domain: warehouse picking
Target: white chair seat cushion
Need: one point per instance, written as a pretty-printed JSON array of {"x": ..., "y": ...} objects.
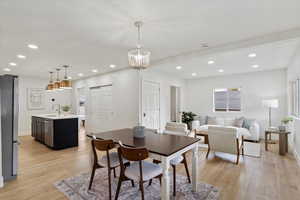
[
  {"x": 177, "y": 160},
  {"x": 150, "y": 170},
  {"x": 114, "y": 160}
]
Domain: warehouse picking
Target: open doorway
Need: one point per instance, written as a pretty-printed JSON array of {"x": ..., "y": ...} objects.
[
  {"x": 175, "y": 103},
  {"x": 81, "y": 109}
]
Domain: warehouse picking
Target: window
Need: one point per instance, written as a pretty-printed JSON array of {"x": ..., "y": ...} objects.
[
  {"x": 295, "y": 97},
  {"x": 227, "y": 99}
]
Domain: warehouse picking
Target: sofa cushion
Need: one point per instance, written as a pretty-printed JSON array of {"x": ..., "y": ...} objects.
[
  {"x": 215, "y": 121},
  {"x": 238, "y": 122},
  {"x": 211, "y": 120},
  {"x": 202, "y": 119},
  {"x": 229, "y": 121}
]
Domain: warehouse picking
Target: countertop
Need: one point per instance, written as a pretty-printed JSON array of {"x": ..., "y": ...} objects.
[{"x": 56, "y": 116}]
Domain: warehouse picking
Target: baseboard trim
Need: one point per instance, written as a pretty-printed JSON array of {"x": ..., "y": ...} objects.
[
  {"x": 296, "y": 155},
  {"x": 1, "y": 182}
]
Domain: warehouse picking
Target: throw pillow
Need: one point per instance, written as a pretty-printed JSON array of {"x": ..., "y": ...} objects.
[
  {"x": 247, "y": 123},
  {"x": 229, "y": 121},
  {"x": 238, "y": 122},
  {"x": 220, "y": 121},
  {"x": 211, "y": 120}
]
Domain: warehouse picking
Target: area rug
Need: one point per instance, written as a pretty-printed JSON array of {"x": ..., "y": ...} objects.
[
  {"x": 76, "y": 188},
  {"x": 252, "y": 149}
]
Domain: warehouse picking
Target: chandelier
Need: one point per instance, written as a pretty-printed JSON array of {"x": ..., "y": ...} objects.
[
  {"x": 139, "y": 58},
  {"x": 66, "y": 82},
  {"x": 50, "y": 85}
]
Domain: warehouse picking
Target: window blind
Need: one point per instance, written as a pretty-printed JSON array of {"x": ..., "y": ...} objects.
[{"x": 227, "y": 99}]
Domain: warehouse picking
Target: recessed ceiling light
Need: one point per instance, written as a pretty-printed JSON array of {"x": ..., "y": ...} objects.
[
  {"x": 12, "y": 64},
  {"x": 251, "y": 55},
  {"x": 179, "y": 67},
  {"x": 21, "y": 56},
  {"x": 80, "y": 74},
  {"x": 7, "y": 69},
  {"x": 255, "y": 66},
  {"x": 221, "y": 70},
  {"x": 95, "y": 70},
  {"x": 112, "y": 66},
  {"x": 32, "y": 46},
  {"x": 194, "y": 74},
  {"x": 211, "y": 62}
]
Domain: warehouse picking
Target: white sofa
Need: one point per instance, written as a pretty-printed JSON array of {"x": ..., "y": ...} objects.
[{"x": 249, "y": 125}]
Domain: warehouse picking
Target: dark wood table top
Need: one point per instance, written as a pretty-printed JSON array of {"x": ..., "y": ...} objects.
[{"x": 162, "y": 144}]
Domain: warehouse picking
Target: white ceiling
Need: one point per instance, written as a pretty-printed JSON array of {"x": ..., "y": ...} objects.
[
  {"x": 95, "y": 33},
  {"x": 275, "y": 55}
]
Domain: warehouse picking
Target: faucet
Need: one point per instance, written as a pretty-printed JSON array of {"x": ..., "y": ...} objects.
[{"x": 58, "y": 109}]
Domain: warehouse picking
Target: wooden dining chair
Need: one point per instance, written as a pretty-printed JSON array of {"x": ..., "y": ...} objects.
[
  {"x": 110, "y": 160},
  {"x": 140, "y": 170}
]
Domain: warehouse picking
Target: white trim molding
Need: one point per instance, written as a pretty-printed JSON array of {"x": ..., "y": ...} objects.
[
  {"x": 1, "y": 182},
  {"x": 297, "y": 156}
]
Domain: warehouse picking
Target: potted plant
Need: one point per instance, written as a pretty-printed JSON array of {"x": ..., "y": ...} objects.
[
  {"x": 187, "y": 118},
  {"x": 285, "y": 122},
  {"x": 66, "y": 108}
]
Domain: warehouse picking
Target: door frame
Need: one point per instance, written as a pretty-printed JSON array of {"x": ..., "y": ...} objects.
[{"x": 142, "y": 99}]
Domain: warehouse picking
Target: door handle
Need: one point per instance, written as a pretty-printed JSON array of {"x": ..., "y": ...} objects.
[{"x": 144, "y": 114}]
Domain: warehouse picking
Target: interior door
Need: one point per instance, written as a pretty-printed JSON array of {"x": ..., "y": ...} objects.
[
  {"x": 151, "y": 104},
  {"x": 100, "y": 115}
]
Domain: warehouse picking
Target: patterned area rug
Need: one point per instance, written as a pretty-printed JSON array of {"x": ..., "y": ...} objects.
[{"x": 75, "y": 188}]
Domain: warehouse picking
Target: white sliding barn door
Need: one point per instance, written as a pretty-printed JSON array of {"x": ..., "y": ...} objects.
[
  {"x": 151, "y": 105},
  {"x": 101, "y": 114}
]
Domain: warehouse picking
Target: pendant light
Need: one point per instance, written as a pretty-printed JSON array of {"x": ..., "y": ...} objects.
[
  {"x": 66, "y": 82},
  {"x": 50, "y": 84},
  {"x": 139, "y": 58},
  {"x": 57, "y": 85}
]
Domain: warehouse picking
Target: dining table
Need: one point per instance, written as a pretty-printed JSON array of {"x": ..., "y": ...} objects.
[{"x": 163, "y": 147}]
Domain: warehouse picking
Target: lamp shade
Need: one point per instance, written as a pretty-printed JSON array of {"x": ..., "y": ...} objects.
[{"x": 271, "y": 103}]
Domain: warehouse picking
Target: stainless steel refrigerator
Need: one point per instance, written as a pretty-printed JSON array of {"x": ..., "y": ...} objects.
[{"x": 9, "y": 125}]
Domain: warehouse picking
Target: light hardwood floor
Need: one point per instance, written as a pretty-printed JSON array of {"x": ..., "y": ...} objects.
[{"x": 269, "y": 177}]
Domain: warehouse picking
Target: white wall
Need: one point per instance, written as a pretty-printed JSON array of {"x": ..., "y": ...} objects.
[
  {"x": 61, "y": 97},
  {"x": 125, "y": 98},
  {"x": 166, "y": 81},
  {"x": 255, "y": 86},
  {"x": 293, "y": 73},
  {"x": 125, "y": 95},
  {"x": 1, "y": 176}
]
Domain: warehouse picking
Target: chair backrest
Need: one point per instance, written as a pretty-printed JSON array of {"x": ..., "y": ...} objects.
[
  {"x": 102, "y": 145},
  {"x": 176, "y": 128},
  {"x": 222, "y": 139},
  {"x": 132, "y": 154}
]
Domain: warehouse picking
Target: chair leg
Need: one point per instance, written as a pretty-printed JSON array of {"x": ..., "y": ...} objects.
[
  {"x": 92, "y": 177},
  {"x": 237, "y": 158},
  {"x": 186, "y": 168},
  {"x": 118, "y": 188},
  {"x": 109, "y": 182},
  {"x": 174, "y": 180},
  {"x": 132, "y": 183},
  {"x": 142, "y": 189},
  {"x": 207, "y": 153},
  {"x": 115, "y": 173},
  {"x": 150, "y": 182}
]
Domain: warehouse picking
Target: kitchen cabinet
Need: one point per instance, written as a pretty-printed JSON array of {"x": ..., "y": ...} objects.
[{"x": 56, "y": 133}]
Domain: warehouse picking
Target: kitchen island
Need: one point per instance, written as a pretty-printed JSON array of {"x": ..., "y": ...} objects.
[{"x": 55, "y": 131}]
